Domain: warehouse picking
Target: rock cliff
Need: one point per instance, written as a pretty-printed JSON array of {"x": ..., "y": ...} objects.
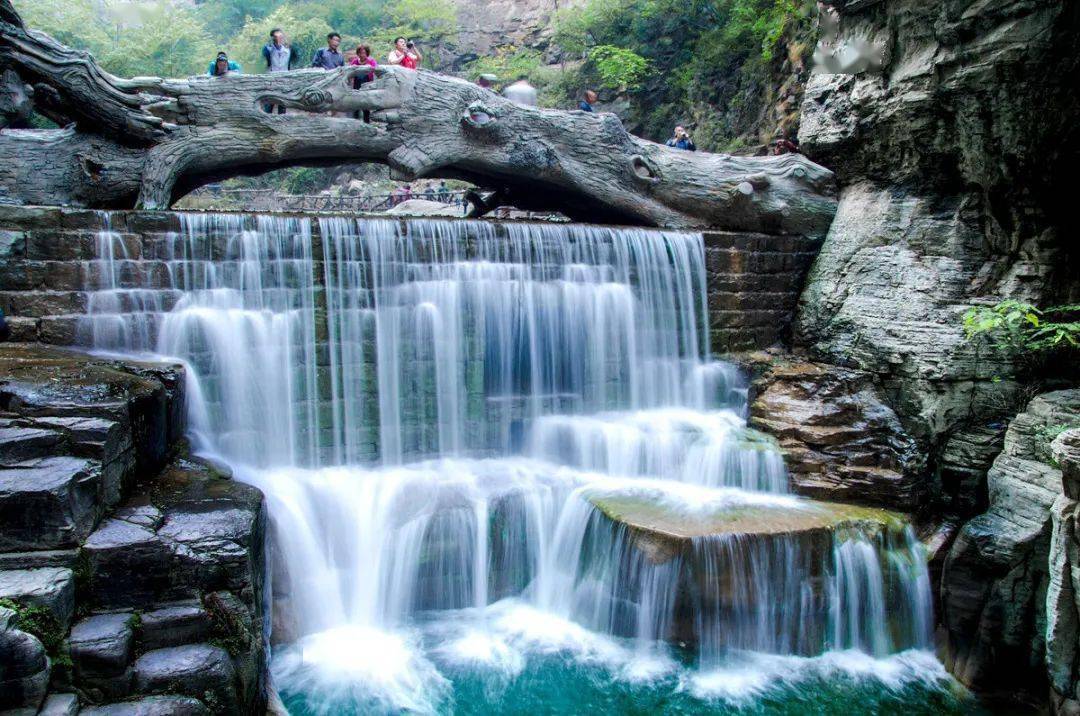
[
  {"x": 994, "y": 585},
  {"x": 953, "y": 160},
  {"x": 953, "y": 152}
]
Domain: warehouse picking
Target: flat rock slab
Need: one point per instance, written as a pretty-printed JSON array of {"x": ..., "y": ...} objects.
[
  {"x": 48, "y": 503},
  {"x": 52, "y": 588},
  {"x": 186, "y": 531},
  {"x": 192, "y": 670},
  {"x": 82, "y": 396},
  {"x": 641, "y": 512},
  {"x": 45, "y": 558},
  {"x": 101, "y": 645},
  {"x": 151, "y": 706}
]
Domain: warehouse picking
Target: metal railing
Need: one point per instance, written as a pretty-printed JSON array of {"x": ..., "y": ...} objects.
[{"x": 270, "y": 200}]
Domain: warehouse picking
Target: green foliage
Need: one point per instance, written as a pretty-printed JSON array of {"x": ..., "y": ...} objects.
[
  {"x": 39, "y": 621},
  {"x": 508, "y": 63},
  {"x": 128, "y": 39},
  {"x": 617, "y": 67},
  {"x": 303, "y": 180},
  {"x": 709, "y": 62},
  {"x": 171, "y": 39},
  {"x": 1020, "y": 328}
]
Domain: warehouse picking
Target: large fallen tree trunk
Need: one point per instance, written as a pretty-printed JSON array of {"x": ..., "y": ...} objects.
[{"x": 147, "y": 141}]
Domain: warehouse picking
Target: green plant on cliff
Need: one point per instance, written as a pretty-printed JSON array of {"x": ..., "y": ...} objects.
[{"x": 1024, "y": 330}]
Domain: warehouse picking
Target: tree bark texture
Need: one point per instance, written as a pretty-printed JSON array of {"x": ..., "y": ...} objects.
[{"x": 147, "y": 141}]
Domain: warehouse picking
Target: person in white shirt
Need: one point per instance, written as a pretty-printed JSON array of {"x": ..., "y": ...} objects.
[{"x": 521, "y": 92}]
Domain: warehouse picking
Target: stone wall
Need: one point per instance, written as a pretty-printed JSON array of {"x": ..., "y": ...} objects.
[
  {"x": 128, "y": 572},
  {"x": 753, "y": 280}
]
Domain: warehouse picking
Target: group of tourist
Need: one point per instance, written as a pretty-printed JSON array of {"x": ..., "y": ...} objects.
[
  {"x": 281, "y": 56},
  {"x": 404, "y": 193}
]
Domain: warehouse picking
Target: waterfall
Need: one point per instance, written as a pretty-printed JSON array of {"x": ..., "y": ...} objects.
[{"x": 488, "y": 444}]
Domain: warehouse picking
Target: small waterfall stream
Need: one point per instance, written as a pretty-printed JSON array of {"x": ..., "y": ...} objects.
[{"x": 492, "y": 449}]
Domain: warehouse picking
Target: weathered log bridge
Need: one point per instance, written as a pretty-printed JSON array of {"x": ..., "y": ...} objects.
[{"x": 147, "y": 141}]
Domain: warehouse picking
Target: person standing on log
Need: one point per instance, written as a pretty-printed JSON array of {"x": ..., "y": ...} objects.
[
  {"x": 521, "y": 92},
  {"x": 222, "y": 66},
  {"x": 329, "y": 58},
  {"x": 682, "y": 140},
  {"x": 405, "y": 54},
  {"x": 280, "y": 56},
  {"x": 363, "y": 57}
]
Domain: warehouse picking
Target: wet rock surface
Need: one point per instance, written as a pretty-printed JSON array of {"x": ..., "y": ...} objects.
[
  {"x": 994, "y": 593},
  {"x": 841, "y": 441},
  {"x": 95, "y": 481},
  {"x": 151, "y": 706},
  {"x": 197, "y": 670},
  {"x": 48, "y": 588}
]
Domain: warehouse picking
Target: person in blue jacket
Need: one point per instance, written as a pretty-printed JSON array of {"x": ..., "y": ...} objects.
[
  {"x": 682, "y": 140},
  {"x": 222, "y": 66}
]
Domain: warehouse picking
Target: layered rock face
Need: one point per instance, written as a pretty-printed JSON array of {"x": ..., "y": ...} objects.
[
  {"x": 953, "y": 160},
  {"x": 1063, "y": 589},
  {"x": 994, "y": 585},
  {"x": 482, "y": 28},
  {"x": 127, "y": 572},
  {"x": 840, "y": 440}
]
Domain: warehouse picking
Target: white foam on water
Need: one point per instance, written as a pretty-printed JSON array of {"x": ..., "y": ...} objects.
[
  {"x": 357, "y": 664},
  {"x": 750, "y": 676}
]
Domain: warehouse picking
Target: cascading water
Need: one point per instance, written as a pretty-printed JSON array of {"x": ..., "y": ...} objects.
[{"x": 498, "y": 452}]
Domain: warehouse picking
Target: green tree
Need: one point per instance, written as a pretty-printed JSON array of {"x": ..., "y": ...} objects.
[
  {"x": 161, "y": 39},
  {"x": 128, "y": 39},
  {"x": 618, "y": 68}
]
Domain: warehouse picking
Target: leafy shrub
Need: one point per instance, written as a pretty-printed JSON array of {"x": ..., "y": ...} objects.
[
  {"x": 618, "y": 68},
  {"x": 1022, "y": 329}
]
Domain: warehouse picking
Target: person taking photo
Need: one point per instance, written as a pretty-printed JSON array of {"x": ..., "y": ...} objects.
[{"x": 405, "y": 54}]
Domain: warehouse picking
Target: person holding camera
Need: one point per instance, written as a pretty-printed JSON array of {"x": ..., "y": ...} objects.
[
  {"x": 405, "y": 54},
  {"x": 682, "y": 140}
]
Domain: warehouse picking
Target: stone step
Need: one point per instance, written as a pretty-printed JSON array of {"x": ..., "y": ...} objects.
[
  {"x": 196, "y": 670},
  {"x": 150, "y": 706},
  {"x": 44, "y": 558},
  {"x": 48, "y": 503},
  {"x": 60, "y": 705},
  {"x": 50, "y": 588},
  {"x": 19, "y": 441},
  {"x": 204, "y": 537},
  {"x": 174, "y": 625},
  {"x": 101, "y": 649}
]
